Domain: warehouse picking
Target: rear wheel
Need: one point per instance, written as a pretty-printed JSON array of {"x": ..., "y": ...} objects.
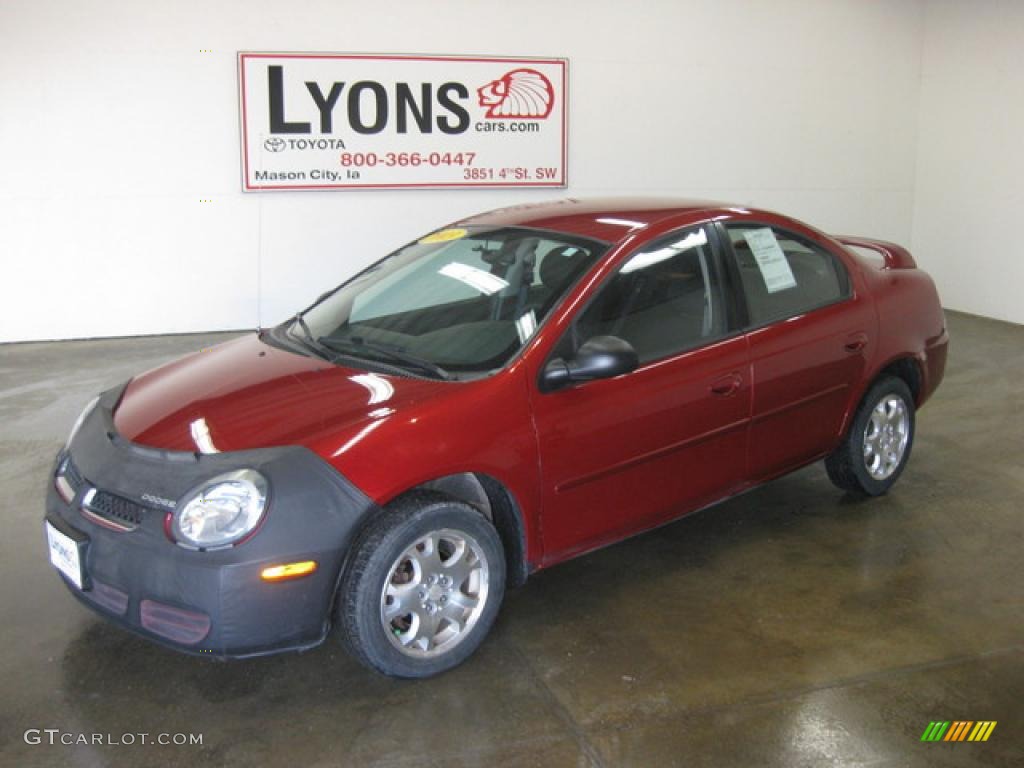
[
  {"x": 423, "y": 587},
  {"x": 877, "y": 446}
]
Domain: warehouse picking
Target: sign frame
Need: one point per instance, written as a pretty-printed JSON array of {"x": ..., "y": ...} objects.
[{"x": 247, "y": 163}]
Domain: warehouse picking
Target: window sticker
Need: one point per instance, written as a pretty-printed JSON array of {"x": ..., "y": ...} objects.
[{"x": 770, "y": 259}]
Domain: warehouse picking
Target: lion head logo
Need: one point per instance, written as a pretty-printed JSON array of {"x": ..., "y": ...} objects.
[{"x": 519, "y": 93}]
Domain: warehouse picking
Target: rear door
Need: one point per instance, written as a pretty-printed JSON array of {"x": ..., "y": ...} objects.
[
  {"x": 810, "y": 334},
  {"x": 623, "y": 454}
]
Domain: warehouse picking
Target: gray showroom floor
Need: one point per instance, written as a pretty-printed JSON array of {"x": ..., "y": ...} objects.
[{"x": 790, "y": 627}]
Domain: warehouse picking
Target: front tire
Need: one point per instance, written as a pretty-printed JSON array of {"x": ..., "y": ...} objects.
[
  {"x": 423, "y": 587},
  {"x": 877, "y": 446}
]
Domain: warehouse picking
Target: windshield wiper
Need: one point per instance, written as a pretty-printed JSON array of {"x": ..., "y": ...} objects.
[
  {"x": 356, "y": 345},
  {"x": 310, "y": 340}
]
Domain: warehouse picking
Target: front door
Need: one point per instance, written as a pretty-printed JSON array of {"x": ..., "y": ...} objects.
[{"x": 624, "y": 454}]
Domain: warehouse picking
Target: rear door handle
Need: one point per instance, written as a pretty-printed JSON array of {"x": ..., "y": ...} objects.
[
  {"x": 856, "y": 342},
  {"x": 727, "y": 385}
]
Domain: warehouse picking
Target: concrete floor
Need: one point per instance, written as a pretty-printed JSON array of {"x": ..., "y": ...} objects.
[{"x": 790, "y": 627}]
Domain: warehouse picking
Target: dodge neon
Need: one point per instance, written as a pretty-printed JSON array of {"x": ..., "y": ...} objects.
[{"x": 505, "y": 393}]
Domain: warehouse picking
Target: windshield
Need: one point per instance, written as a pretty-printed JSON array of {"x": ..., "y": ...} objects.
[{"x": 459, "y": 301}]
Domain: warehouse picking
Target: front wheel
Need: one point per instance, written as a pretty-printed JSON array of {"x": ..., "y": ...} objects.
[
  {"x": 422, "y": 588},
  {"x": 877, "y": 446}
]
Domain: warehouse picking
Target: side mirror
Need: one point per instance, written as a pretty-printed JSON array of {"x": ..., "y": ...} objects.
[{"x": 601, "y": 357}]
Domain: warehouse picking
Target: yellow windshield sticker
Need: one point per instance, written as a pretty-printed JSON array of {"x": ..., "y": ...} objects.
[{"x": 444, "y": 235}]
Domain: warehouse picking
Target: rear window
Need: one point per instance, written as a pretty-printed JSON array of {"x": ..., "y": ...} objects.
[{"x": 783, "y": 275}]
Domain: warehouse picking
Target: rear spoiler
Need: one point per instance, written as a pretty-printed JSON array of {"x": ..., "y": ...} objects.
[{"x": 895, "y": 256}]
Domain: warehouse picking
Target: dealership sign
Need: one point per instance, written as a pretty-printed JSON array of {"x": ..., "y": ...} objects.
[{"x": 333, "y": 121}]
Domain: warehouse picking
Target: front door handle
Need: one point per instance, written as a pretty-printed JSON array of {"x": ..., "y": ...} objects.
[
  {"x": 856, "y": 342},
  {"x": 727, "y": 385}
]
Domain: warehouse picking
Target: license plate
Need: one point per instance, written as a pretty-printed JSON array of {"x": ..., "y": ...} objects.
[{"x": 65, "y": 554}]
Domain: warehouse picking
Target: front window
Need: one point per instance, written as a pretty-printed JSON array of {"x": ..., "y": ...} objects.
[
  {"x": 663, "y": 300},
  {"x": 457, "y": 303}
]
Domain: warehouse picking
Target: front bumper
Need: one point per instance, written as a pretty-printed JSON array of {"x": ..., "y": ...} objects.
[{"x": 210, "y": 603}]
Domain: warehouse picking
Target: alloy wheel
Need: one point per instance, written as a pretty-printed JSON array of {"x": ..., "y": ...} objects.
[
  {"x": 434, "y": 593},
  {"x": 886, "y": 436}
]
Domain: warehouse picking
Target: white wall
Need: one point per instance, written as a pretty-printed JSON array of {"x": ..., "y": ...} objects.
[
  {"x": 970, "y": 168},
  {"x": 114, "y": 126}
]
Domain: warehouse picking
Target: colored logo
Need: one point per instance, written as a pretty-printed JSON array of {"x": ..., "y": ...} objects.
[
  {"x": 958, "y": 730},
  {"x": 519, "y": 93},
  {"x": 274, "y": 144}
]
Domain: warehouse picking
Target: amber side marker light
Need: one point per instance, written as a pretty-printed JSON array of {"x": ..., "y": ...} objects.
[{"x": 288, "y": 571}]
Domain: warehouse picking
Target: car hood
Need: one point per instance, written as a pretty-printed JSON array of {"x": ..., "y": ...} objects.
[{"x": 246, "y": 394}]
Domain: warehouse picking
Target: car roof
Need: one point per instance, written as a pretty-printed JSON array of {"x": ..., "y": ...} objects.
[{"x": 608, "y": 219}]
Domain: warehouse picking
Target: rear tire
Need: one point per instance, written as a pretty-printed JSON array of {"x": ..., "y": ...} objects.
[
  {"x": 423, "y": 587},
  {"x": 877, "y": 445}
]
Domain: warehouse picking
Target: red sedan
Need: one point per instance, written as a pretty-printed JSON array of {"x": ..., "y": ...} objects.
[{"x": 503, "y": 394}]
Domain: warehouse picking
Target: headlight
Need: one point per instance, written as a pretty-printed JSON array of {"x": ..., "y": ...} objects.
[
  {"x": 81, "y": 418},
  {"x": 221, "y": 511}
]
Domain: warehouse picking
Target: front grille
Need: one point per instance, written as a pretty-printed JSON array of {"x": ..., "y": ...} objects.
[
  {"x": 121, "y": 512},
  {"x": 114, "y": 600},
  {"x": 177, "y": 624}
]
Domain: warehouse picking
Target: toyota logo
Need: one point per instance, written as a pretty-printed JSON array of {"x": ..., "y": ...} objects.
[{"x": 274, "y": 144}]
